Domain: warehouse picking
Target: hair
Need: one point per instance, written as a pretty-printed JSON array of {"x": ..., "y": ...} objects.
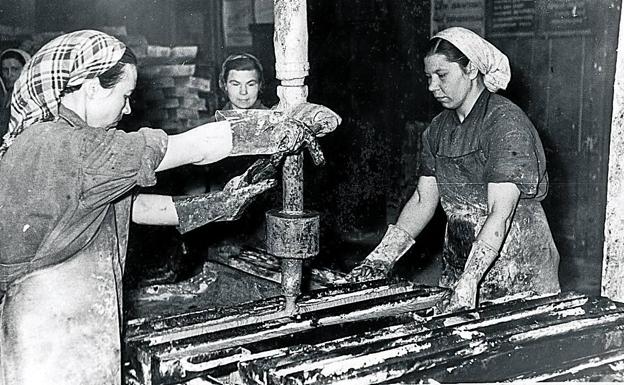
[
  {"x": 113, "y": 75},
  {"x": 439, "y": 46},
  {"x": 13, "y": 55},
  {"x": 240, "y": 62}
]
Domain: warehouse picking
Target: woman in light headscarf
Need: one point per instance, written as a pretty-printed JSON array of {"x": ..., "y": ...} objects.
[
  {"x": 483, "y": 160},
  {"x": 67, "y": 196}
]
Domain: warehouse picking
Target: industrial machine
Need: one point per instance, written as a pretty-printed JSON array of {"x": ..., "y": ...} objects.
[{"x": 355, "y": 333}]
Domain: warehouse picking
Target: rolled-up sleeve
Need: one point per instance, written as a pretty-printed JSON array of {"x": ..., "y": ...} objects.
[
  {"x": 513, "y": 156},
  {"x": 116, "y": 161}
]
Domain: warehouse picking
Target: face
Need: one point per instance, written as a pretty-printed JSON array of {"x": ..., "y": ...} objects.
[
  {"x": 448, "y": 82},
  {"x": 242, "y": 88},
  {"x": 106, "y": 107},
  {"x": 11, "y": 69}
]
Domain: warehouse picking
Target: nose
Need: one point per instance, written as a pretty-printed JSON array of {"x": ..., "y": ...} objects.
[
  {"x": 243, "y": 90},
  {"x": 433, "y": 84}
]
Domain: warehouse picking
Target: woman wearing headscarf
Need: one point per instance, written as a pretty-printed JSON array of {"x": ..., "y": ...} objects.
[
  {"x": 483, "y": 160},
  {"x": 12, "y": 61},
  {"x": 67, "y": 196},
  {"x": 241, "y": 78}
]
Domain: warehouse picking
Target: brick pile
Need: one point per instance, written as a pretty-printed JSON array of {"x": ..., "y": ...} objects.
[{"x": 169, "y": 95}]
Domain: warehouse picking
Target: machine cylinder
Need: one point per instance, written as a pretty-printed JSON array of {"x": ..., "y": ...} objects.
[{"x": 292, "y": 235}]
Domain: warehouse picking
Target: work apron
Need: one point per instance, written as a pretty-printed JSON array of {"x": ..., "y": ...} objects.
[
  {"x": 528, "y": 261},
  {"x": 61, "y": 325}
]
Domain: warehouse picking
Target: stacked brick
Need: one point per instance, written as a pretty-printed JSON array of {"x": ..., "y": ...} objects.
[{"x": 169, "y": 96}]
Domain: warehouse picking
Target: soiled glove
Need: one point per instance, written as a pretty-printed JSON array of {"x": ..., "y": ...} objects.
[
  {"x": 379, "y": 262},
  {"x": 263, "y": 132},
  {"x": 467, "y": 287},
  {"x": 227, "y": 205},
  {"x": 319, "y": 119}
]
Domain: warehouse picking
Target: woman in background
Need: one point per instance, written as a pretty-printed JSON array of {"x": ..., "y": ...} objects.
[
  {"x": 12, "y": 61},
  {"x": 241, "y": 79}
]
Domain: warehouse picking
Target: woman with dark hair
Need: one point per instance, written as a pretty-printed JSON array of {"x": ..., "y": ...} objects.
[
  {"x": 241, "y": 78},
  {"x": 68, "y": 193},
  {"x": 483, "y": 160},
  {"x": 12, "y": 61}
]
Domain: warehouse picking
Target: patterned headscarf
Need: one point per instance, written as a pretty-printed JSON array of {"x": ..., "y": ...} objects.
[
  {"x": 491, "y": 62},
  {"x": 66, "y": 61}
]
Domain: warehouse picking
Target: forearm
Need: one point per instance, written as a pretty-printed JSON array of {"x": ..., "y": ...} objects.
[
  {"x": 204, "y": 144},
  {"x": 502, "y": 201},
  {"x": 152, "y": 209},
  {"x": 494, "y": 230},
  {"x": 420, "y": 208}
]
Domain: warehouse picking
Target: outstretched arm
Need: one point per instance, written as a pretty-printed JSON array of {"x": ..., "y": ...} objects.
[
  {"x": 203, "y": 144},
  {"x": 190, "y": 212},
  {"x": 420, "y": 208},
  {"x": 400, "y": 237}
]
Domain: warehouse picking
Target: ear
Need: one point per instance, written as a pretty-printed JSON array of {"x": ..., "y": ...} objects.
[
  {"x": 471, "y": 70},
  {"x": 91, "y": 87}
]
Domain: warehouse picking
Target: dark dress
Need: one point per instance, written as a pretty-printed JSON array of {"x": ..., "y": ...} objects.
[
  {"x": 496, "y": 143},
  {"x": 65, "y": 204}
]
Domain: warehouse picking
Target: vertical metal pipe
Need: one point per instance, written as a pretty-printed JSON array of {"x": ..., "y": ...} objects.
[
  {"x": 292, "y": 184},
  {"x": 291, "y": 55},
  {"x": 291, "y": 41},
  {"x": 291, "y": 66}
]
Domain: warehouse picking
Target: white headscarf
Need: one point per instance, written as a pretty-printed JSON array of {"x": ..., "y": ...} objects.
[{"x": 491, "y": 62}]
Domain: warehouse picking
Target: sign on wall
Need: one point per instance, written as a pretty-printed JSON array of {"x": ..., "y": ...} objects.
[
  {"x": 458, "y": 13},
  {"x": 531, "y": 17}
]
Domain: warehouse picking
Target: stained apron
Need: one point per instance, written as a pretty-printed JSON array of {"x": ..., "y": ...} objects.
[
  {"x": 67, "y": 313},
  {"x": 528, "y": 260}
]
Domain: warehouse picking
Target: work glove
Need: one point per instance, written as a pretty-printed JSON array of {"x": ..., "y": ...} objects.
[
  {"x": 219, "y": 206},
  {"x": 262, "y": 132},
  {"x": 380, "y": 261},
  {"x": 320, "y": 120},
  {"x": 466, "y": 289},
  {"x": 267, "y": 132}
]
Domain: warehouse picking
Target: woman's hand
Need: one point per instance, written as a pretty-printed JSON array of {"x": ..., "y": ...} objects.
[
  {"x": 379, "y": 262},
  {"x": 464, "y": 296}
]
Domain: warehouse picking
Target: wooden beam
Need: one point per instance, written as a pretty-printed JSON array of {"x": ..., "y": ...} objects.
[{"x": 613, "y": 259}]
